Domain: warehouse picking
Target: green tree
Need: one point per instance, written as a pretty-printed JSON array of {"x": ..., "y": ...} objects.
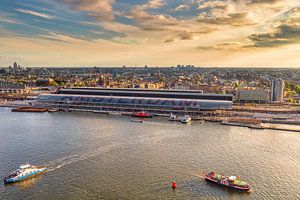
[
  {"x": 54, "y": 83},
  {"x": 297, "y": 88},
  {"x": 291, "y": 100}
]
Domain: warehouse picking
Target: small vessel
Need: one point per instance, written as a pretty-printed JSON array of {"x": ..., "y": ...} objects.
[
  {"x": 230, "y": 182},
  {"x": 137, "y": 120},
  {"x": 24, "y": 172},
  {"x": 256, "y": 126},
  {"x": 186, "y": 119},
  {"x": 174, "y": 118},
  {"x": 53, "y": 110},
  {"x": 142, "y": 114}
]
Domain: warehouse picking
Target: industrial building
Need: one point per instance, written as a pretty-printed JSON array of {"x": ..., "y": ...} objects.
[{"x": 130, "y": 100}]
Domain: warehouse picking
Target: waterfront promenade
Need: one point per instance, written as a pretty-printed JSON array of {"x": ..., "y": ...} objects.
[{"x": 277, "y": 117}]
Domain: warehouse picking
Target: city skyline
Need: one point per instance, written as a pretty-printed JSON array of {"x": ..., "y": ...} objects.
[{"x": 249, "y": 33}]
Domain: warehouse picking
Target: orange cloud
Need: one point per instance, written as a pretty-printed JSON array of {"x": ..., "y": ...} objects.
[{"x": 99, "y": 9}]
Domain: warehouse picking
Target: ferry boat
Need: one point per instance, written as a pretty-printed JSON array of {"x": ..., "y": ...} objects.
[
  {"x": 186, "y": 119},
  {"x": 142, "y": 114},
  {"x": 230, "y": 182},
  {"x": 24, "y": 172}
]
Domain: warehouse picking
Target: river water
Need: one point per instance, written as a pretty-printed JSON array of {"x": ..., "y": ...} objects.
[{"x": 92, "y": 156}]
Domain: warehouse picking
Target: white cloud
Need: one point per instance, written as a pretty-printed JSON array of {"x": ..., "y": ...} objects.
[
  {"x": 156, "y": 3},
  {"x": 8, "y": 20},
  {"x": 34, "y": 13},
  {"x": 182, "y": 7}
]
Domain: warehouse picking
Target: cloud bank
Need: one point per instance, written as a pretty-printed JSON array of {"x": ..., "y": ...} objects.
[{"x": 166, "y": 31}]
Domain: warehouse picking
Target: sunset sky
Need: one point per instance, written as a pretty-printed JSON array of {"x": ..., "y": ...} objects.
[{"x": 250, "y": 33}]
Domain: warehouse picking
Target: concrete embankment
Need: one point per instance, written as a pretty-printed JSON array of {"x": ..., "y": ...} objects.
[
  {"x": 290, "y": 122},
  {"x": 235, "y": 124},
  {"x": 10, "y": 105},
  {"x": 281, "y": 127}
]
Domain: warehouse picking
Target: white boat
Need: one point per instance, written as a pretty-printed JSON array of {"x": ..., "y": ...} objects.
[
  {"x": 23, "y": 172},
  {"x": 174, "y": 118},
  {"x": 137, "y": 120},
  {"x": 186, "y": 119}
]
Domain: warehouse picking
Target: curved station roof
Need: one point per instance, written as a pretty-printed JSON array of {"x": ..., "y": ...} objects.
[{"x": 126, "y": 92}]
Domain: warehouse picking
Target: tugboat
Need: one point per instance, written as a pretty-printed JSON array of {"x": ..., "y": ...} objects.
[
  {"x": 142, "y": 114},
  {"x": 230, "y": 182},
  {"x": 24, "y": 172},
  {"x": 186, "y": 119}
]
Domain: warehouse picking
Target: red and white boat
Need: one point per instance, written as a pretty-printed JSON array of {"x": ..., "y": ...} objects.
[
  {"x": 142, "y": 114},
  {"x": 228, "y": 181}
]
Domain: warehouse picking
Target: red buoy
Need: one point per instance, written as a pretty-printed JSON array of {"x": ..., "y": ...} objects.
[{"x": 174, "y": 185}]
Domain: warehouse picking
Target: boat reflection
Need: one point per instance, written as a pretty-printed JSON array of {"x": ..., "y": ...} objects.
[
  {"x": 228, "y": 190},
  {"x": 25, "y": 184}
]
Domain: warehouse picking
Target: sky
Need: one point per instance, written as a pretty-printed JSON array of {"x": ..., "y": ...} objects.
[{"x": 204, "y": 33}]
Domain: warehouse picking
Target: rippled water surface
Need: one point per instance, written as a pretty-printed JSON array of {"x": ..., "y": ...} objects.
[{"x": 92, "y": 156}]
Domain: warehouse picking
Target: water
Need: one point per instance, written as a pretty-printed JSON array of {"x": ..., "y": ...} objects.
[{"x": 92, "y": 156}]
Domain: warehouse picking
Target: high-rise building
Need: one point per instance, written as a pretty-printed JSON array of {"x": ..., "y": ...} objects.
[
  {"x": 277, "y": 89},
  {"x": 15, "y": 66},
  {"x": 101, "y": 81}
]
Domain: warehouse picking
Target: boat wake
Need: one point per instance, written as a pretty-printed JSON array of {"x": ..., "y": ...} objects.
[
  {"x": 187, "y": 173},
  {"x": 61, "y": 162}
]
